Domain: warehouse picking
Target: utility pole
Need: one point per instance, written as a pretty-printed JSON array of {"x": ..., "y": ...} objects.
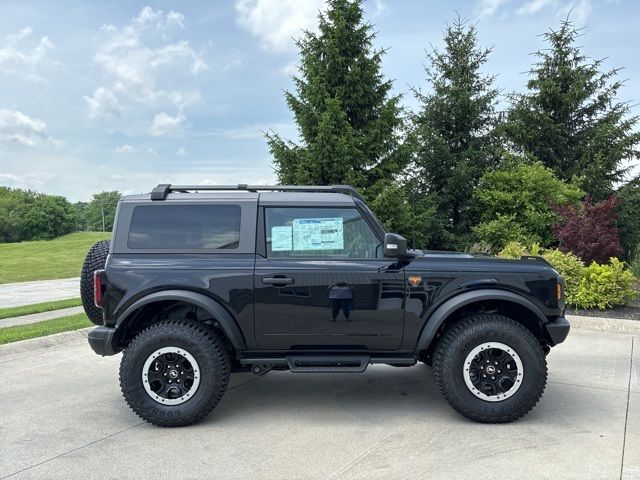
[{"x": 102, "y": 208}]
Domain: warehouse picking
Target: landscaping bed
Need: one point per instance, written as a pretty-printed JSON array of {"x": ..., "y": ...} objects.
[{"x": 631, "y": 311}]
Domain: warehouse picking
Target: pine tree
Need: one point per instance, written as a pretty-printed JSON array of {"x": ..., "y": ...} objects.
[
  {"x": 348, "y": 121},
  {"x": 570, "y": 119},
  {"x": 453, "y": 134}
]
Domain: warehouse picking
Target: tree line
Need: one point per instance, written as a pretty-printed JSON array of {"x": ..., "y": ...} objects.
[
  {"x": 29, "y": 215},
  {"x": 460, "y": 172}
]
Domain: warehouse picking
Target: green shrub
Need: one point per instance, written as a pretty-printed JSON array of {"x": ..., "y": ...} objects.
[
  {"x": 514, "y": 202},
  {"x": 513, "y": 250},
  {"x": 500, "y": 231},
  {"x": 635, "y": 262},
  {"x": 635, "y": 267},
  {"x": 605, "y": 286},
  {"x": 570, "y": 267}
]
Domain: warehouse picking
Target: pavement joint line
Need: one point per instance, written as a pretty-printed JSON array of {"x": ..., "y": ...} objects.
[
  {"x": 109, "y": 436},
  {"x": 626, "y": 415},
  {"x": 361, "y": 456},
  {"x": 611, "y": 389},
  {"x": 66, "y": 359},
  {"x": 72, "y": 450}
]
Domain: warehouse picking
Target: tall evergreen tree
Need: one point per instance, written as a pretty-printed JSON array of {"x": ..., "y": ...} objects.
[
  {"x": 348, "y": 121},
  {"x": 454, "y": 131},
  {"x": 570, "y": 119}
]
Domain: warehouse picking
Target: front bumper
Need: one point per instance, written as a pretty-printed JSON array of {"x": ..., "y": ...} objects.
[
  {"x": 557, "y": 330},
  {"x": 103, "y": 341}
]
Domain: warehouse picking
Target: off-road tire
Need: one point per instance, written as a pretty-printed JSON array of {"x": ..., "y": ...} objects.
[
  {"x": 94, "y": 260},
  {"x": 468, "y": 333},
  {"x": 204, "y": 344}
]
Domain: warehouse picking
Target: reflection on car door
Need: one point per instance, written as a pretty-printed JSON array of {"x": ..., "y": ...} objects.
[{"x": 329, "y": 290}]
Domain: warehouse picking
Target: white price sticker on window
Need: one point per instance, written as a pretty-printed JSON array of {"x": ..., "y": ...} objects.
[
  {"x": 281, "y": 239},
  {"x": 318, "y": 234}
]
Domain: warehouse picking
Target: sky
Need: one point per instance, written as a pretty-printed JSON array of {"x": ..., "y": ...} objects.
[{"x": 123, "y": 95}]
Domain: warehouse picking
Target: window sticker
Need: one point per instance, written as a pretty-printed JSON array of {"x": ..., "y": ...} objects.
[
  {"x": 281, "y": 239},
  {"x": 318, "y": 234}
]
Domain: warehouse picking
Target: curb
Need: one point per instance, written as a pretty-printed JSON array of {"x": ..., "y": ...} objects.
[
  {"x": 42, "y": 344},
  {"x": 610, "y": 325}
]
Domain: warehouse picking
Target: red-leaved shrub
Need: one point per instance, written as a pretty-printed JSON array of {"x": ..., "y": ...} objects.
[{"x": 588, "y": 230}]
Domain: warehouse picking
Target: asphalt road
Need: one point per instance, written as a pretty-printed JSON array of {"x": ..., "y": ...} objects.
[
  {"x": 27, "y": 293},
  {"x": 62, "y": 416}
]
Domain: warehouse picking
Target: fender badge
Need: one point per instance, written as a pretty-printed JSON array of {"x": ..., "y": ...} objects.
[{"x": 415, "y": 280}]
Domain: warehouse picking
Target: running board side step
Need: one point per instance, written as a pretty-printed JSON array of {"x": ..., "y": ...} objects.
[
  {"x": 322, "y": 363},
  {"x": 326, "y": 364}
]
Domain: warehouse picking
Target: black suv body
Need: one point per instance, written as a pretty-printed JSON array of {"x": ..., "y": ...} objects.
[{"x": 306, "y": 279}]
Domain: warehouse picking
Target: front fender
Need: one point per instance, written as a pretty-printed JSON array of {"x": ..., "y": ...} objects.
[
  {"x": 438, "y": 317},
  {"x": 216, "y": 309}
]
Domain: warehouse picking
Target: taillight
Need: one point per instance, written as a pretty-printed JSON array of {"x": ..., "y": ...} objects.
[{"x": 97, "y": 288}]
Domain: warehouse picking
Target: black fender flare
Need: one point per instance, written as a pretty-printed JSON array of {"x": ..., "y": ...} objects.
[
  {"x": 216, "y": 309},
  {"x": 438, "y": 317}
]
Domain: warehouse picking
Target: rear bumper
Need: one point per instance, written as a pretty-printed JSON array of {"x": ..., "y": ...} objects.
[
  {"x": 557, "y": 329},
  {"x": 103, "y": 341}
]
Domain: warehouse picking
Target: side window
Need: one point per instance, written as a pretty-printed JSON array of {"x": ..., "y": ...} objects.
[
  {"x": 185, "y": 227},
  {"x": 319, "y": 233}
]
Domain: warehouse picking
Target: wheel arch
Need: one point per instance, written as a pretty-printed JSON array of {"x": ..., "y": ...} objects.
[
  {"x": 177, "y": 300},
  {"x": 514, "y": 305}
]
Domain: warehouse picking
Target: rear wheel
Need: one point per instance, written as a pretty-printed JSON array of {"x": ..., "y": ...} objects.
[
  {"x": 490, "y": 368},
  {"x": 95, "y": 260},
  {"x": 174, "y": 373}
]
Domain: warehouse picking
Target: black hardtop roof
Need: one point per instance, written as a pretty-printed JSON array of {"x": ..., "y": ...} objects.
[{"x": 163, "y": 190}]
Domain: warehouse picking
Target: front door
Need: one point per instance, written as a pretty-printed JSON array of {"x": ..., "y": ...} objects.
[{"x": 323, "y": 283}]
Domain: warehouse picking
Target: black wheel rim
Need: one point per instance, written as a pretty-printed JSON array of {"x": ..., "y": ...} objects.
[
  {"x": 171, "y": 375},
  {"x": 493, "y": 371}
]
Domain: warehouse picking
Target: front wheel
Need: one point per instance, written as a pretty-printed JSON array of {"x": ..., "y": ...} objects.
[
  {"x": 490, "y": 368},
  {"x": 174, "y": 372}
]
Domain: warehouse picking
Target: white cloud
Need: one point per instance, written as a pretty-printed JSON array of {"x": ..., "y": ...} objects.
[
  {"x": 135, "y": 62},
  {"x": 290, "y": 68},
  {"x": 182, "y": 99},
  {"x": 151, "y": 151},
  {"x": 175, "y": 18},
  {"x": 181, "y": 152},
  {"x": 19, "y": 128},
  {"x": 276, "y": 22},
  {"x": 26, "y": 180},
  {"x": 379, "y": 7},
  {"x": 164, "y": 124},
  {"x": 103, "y": 104},
  {"x": 489, "y": 7},
  {"x": 533, "y": 6},
  {"x": 255, "y": 132},
  {"x": 125, "y": 149},
  {"x": 16, "y": 58}
]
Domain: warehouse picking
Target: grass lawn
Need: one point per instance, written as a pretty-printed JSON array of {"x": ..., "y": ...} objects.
[
  {"x": 46, "y": 259},
  {"x": 39, "y": 308},
  {"x": 40, "y": 329}
]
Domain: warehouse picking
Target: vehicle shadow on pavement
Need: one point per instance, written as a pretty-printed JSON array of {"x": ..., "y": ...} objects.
[{"x": 382, "y": 389}]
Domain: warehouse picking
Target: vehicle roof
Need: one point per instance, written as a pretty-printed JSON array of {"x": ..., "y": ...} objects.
[{"x": 265, "y": 198}]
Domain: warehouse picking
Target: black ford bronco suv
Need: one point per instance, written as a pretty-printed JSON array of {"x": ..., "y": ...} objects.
[{"x": 199, "y": 282}]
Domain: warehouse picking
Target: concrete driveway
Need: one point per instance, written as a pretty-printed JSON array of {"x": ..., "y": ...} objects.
[{"x": 62, "y": 416}]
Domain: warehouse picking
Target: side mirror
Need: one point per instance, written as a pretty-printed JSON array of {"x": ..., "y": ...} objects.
[{"x": 394, "y": 245}]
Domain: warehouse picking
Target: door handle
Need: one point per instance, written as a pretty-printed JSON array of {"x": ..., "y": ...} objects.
[{"x": 277, "y": 281}]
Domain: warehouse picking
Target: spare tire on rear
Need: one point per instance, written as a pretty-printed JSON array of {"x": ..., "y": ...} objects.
[{"x": 95, "y": 260}]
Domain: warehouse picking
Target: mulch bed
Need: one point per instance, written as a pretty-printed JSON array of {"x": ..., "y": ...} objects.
[{"x": 629, "y": 312}]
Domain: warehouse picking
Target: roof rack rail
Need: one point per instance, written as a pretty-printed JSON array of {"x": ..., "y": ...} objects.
[{"x": 161, "y": 191}]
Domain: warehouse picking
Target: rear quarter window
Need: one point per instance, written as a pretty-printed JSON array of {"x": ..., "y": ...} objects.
[{"x": 188, "y": 227}]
